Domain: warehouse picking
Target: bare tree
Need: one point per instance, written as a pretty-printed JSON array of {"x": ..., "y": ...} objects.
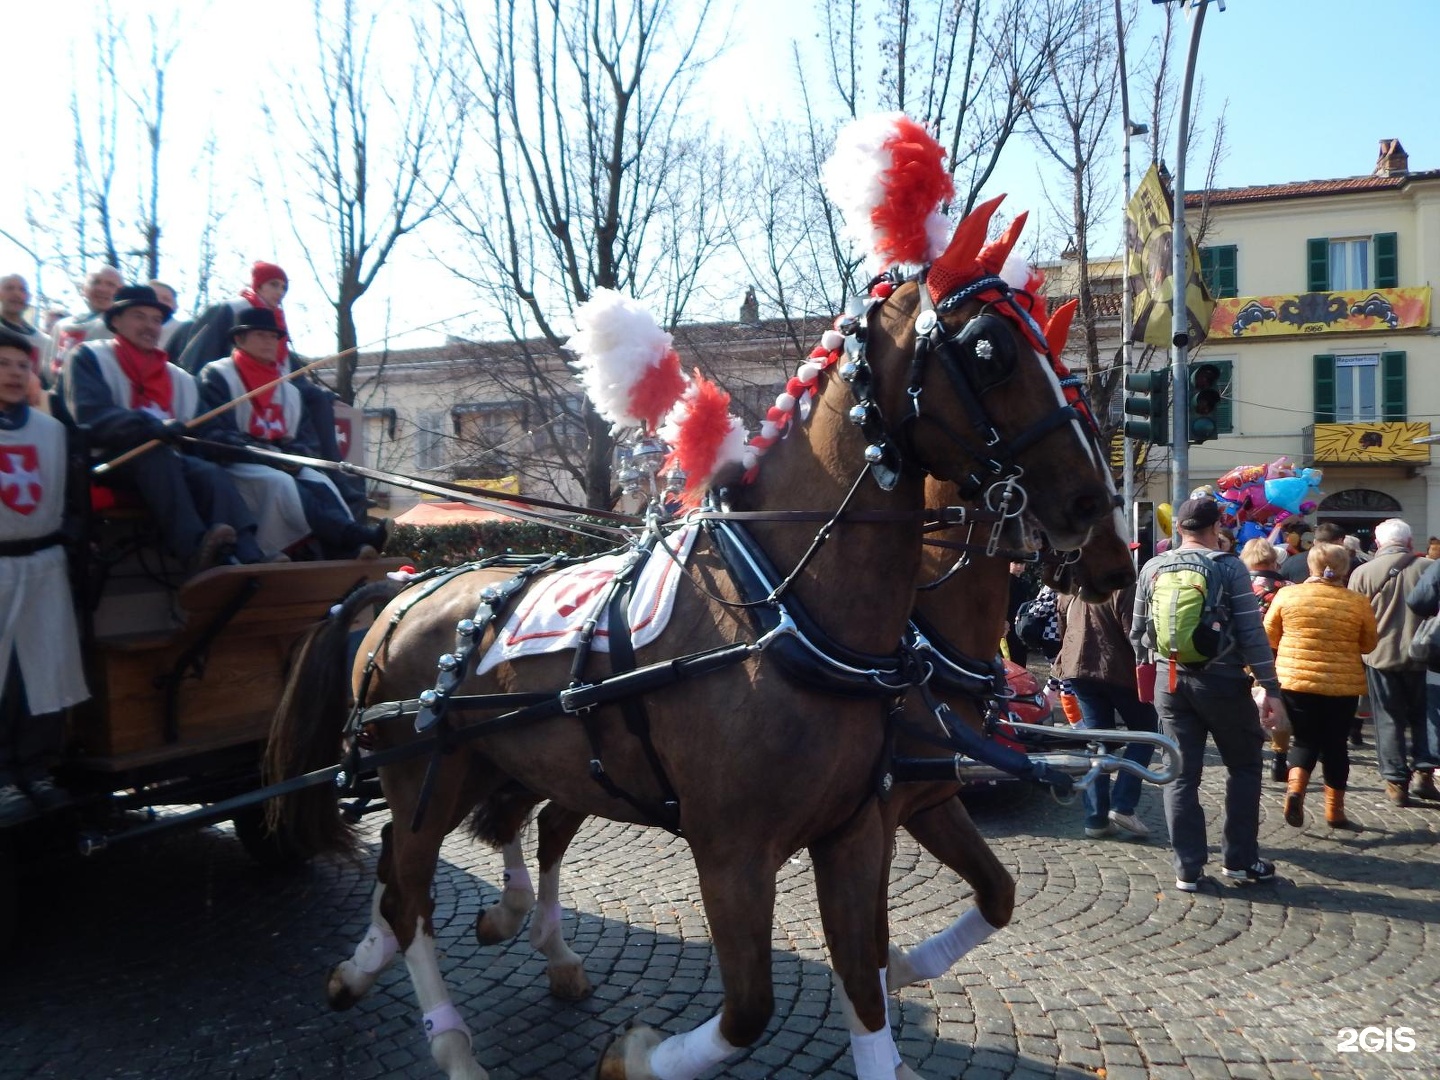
[
  {"x": 595, "y": 176},
  {"x": 970, "y": 71},
  {"x": 1075, "y": 129},
  {"x": 149, "y": 105},
  {"x": 376, "y": 165}
]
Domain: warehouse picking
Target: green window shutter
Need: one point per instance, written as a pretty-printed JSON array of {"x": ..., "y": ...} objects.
[
  {"x": 1317, "y": 263},
  {"x": 1225, "y": 411},
  {"x": 1387, "y": 260},
  {"x": 1392, "y": 375},
  {"x": 1217, "y": 267},
  {"x": 1325, "y": 389}
]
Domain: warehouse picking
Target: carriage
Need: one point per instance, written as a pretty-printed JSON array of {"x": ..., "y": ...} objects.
[{"x": 184, "y": 673}]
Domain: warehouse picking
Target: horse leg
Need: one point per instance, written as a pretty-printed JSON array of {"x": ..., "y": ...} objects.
[
  {"x": 501, "y": 921},
  {"x": 946, "y": 831},
  {"x": 851, "y": 876},
  {"x": 558, "y": 827},
  {"x": 408, "y": 906},
  {"x": 738, "y": 891},
  {"x": 352, "y": 979}
]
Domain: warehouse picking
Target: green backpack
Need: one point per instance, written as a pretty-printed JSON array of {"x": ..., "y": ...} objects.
[{"x": 1189, "y": 613}]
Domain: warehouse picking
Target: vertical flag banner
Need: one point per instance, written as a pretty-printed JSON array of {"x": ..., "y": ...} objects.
[{"x": 1149, "y": 222}]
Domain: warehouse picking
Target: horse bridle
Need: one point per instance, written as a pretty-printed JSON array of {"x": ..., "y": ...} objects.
[{"x": 995, "y": 479}]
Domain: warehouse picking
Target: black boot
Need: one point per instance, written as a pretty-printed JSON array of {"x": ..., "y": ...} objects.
[{"x": 1279, "y": 768}]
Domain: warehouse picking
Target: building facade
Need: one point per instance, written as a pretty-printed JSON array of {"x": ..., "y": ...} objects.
[{"x": 1325, "y": 337}]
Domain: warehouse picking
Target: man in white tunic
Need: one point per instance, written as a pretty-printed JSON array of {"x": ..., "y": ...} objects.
[
  {"x": 293, "y": 504},
  {"x": 127, "y": 393},
  {"x": 40, "y": 670}
]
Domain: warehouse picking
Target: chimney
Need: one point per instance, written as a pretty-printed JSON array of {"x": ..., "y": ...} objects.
[{"x": 1393, "y": 159}]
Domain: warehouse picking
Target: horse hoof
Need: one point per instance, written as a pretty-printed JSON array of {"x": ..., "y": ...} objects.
[
  {"x": 904, "y": 1072},
  {"x": 501, "y": 921},
  {"x": 898, "y": 971},
  {"x": 340, "y": 996},
  {"x": 568, "y": 983},
  {"x": 628, "y": 1056}
]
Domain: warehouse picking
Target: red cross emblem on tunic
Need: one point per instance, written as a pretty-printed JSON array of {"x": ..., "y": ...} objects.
[{"x": 20, "y": 485}]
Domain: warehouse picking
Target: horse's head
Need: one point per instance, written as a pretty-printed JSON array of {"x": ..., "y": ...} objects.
[
  {"x": 1102, "y": 566},
  {"x": 988, "y": 406}
]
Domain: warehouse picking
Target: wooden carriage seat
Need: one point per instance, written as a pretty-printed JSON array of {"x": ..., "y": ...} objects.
[{"x": 216, "y": 679}]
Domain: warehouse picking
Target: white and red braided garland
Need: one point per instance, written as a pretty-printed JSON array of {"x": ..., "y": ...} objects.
[{"x": 780, "y": 415}]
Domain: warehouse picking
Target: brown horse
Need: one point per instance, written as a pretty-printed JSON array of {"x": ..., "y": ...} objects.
[
  {"x": 761, "y": 765},
  {"x": 965, "y": 614}
]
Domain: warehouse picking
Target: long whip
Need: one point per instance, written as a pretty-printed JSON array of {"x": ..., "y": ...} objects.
[{"x": 145, "y": 447}]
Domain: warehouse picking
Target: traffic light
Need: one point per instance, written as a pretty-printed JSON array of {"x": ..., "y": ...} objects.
[
  {"x": 1204, "y": 402},
  {"x": 1150, "y": 403}
]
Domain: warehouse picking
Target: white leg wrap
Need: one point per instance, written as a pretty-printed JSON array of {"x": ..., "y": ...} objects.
[
  {"x": 684, "y": 1057},
  {"x": 874, "y": 1054},
  {"x": 376, "y": 950},
  {"x": 442, "y": 1018},
  {"x": 545, "y": 925},
  {"x": 518, "y": 879},
  {"x": 938, "y": 954},
  {"x": 885, "y": 997}
]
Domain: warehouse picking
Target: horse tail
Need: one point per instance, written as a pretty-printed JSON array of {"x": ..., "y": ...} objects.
[{"x": 306, "y": 733}]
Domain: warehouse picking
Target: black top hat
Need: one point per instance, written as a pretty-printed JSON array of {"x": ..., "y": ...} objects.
[
  {"x": 256, "y": 318},
  {"x": 129, "y": 296}
]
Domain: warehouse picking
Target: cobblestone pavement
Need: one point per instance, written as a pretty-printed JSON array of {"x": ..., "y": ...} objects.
[{"x": 182, "y": 960}]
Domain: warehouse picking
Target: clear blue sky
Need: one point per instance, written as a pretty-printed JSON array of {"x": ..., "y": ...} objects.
[{"x": 1311, "y": 86}]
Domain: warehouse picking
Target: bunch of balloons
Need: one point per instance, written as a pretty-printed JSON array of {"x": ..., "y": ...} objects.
[{"x": 1256, "y": 499}]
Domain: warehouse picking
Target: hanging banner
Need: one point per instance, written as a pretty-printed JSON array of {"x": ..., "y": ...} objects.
[
  {"x": 1384, "y": 442},
  {"x": 1322, "y": 312},
  {"x": 1149, "y": 223}
]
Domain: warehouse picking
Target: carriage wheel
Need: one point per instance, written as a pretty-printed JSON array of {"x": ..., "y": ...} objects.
[{"x": 268, "y": 849}]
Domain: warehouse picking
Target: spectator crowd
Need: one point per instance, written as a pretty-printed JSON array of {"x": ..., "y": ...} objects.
[{"x": 1291, "y": 644}]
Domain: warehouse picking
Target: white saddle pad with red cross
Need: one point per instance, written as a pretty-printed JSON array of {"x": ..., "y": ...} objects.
[{"x": 552, "y": 612}]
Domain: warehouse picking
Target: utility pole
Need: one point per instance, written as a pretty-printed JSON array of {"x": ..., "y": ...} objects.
[
  {"x": 1180, "y": 318},
  {"x": 1127, "y": 449}
]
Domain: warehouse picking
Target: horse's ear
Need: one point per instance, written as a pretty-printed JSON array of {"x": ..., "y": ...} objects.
[
  {"x": 993, "y": 255},
  {"x": 958, "y": 263},
  {"x": 1057, "y": 330}
]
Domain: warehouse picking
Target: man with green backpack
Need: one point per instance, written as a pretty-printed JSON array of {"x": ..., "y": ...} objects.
[{"x": 1197, "y": 620}]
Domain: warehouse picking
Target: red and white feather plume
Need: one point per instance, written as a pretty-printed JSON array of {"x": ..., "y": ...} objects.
[
  {"x": 704, "y": 437},
  {"x": 626, "y": 363},
  {"x": 887, "y": 175}
]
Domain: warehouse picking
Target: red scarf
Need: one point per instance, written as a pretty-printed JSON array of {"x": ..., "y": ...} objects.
[
  {"x": 149, "y": 373},
  {"x": 251, "y": 297},
  {"x": 267, "y": 415}
]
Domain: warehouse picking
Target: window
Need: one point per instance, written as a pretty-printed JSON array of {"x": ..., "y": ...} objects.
[
  {"x": 1355, "y": 262},
  {"x": 430, "y": 440},
  {"x": 1355, "y": 398},
  {"x": 1360, "y": 388},
  {"x": 1217, "y": 267},
  {"x": 1350, "y": 264}
]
